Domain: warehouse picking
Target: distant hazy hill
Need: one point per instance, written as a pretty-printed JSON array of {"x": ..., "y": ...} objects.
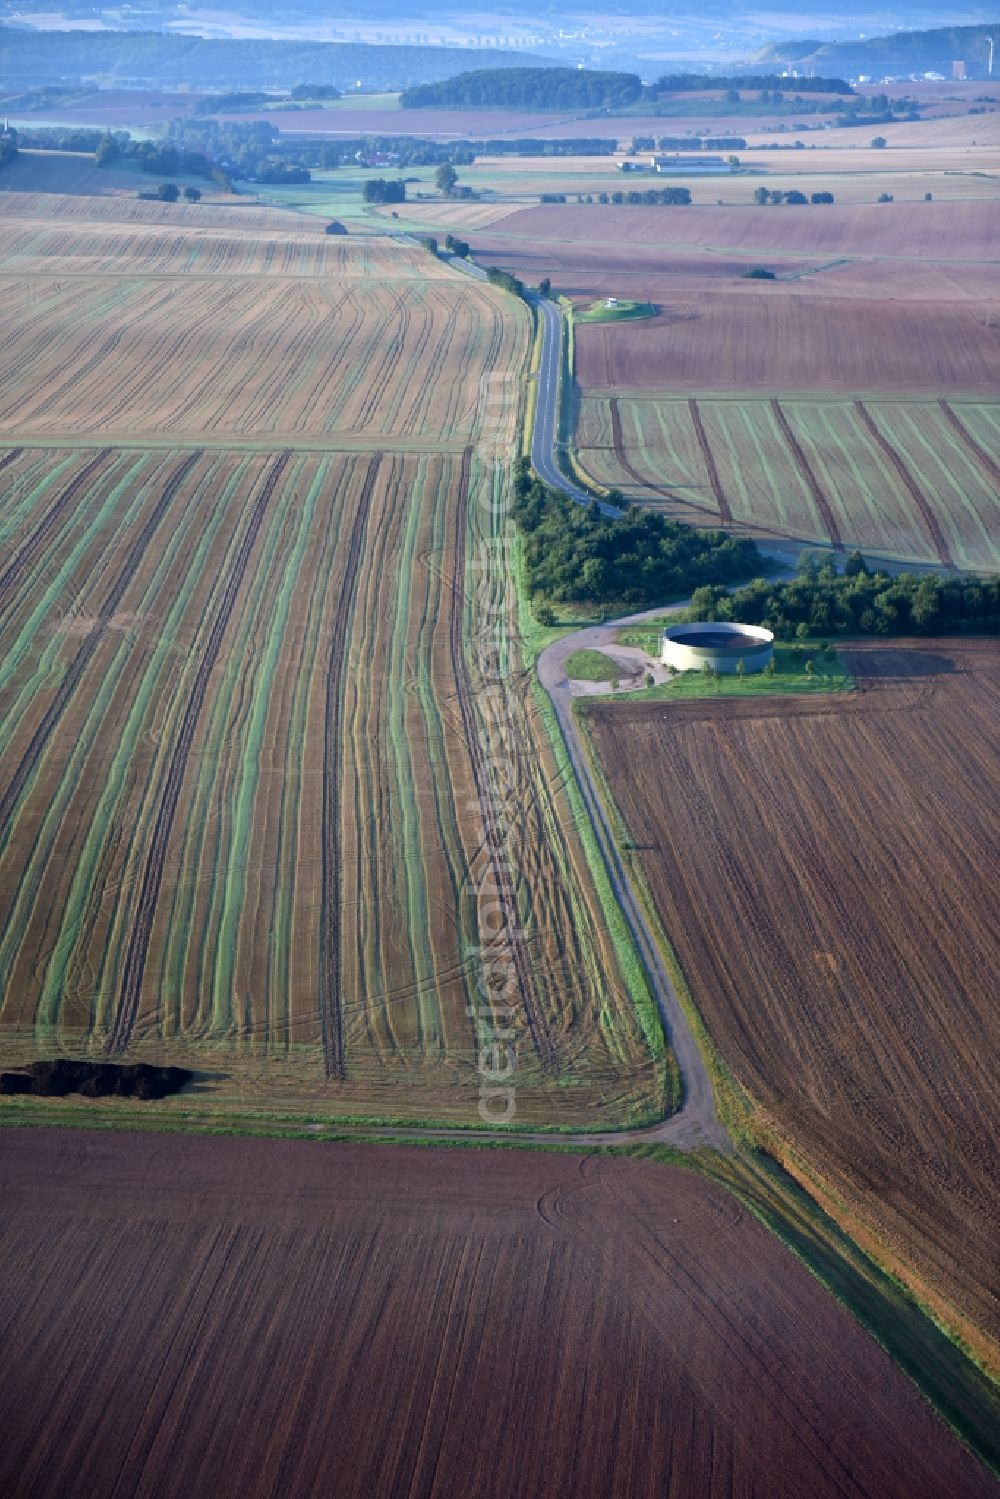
[
  {"x": 903, "y": 52},
  {"x": 165, "y": 60}
]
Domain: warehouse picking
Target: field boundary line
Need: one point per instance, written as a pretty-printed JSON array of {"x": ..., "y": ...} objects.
[
  {"x": 142, "y": 924},
  {"x": 975, "y": 448},
  {"x": 909, "y": 483},
  {"x": 620, "y": 454},
  {"x": 725, "y": 509},
  {"x": 26, "y": 551},
  {"x": 806, "y": 469},
  {"x": 538, "y": 1029},
  {"x": 71, "y": 680},
  {"x": 331, "y": 955}
]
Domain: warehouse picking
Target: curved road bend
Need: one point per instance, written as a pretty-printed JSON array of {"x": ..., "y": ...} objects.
[{"x": 696, "y": 1122}]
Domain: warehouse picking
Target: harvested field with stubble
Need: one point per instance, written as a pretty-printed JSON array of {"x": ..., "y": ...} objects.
[
  {"x": 913, "y": 481},
  {"x": 826, "y": 871},
  {"x": 213, "y": 335},
  {"x": 251, "y": 576},
  {"x": 236, "y": 818},
  {"x": 335, "y": 1319}
]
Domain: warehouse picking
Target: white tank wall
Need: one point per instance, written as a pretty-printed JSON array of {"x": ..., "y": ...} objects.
[{"x": 755, "y": 656}]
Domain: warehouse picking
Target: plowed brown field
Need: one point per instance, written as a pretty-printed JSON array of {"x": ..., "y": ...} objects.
[
  {"x": 710, "y": 338},
  {"x": 827, "y": 872},
  {"x": 220, "y": 1317},
  {"x": 926, "y": 231}
]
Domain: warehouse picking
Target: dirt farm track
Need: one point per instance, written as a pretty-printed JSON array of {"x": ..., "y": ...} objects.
[{"x": 195, "y": 1317}]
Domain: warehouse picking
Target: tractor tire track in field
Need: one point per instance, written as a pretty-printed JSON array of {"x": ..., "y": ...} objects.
[
  {"x": 32, "y": 544},
  {"x": 9, "y": 458},
  {"x": 725, "y": 509},
  {"x": 976, "y": 449},
  {"x": 538, "y": 1029},
  {"x": 331, "y": 936},
  {"x": 806, "y": 470},
  {"x": 623, "y": 458},
  {"x": 152, "y": 878},
  {"x": 909, "y": 483},
  {"x": 78, "y": 666}
]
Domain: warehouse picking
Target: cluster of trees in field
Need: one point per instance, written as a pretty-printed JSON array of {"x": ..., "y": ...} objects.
[
  {"x": 575, "y": 145},
  {"x": 690, "y": 83},
  {"x": 858, "y": 602},
  {"x": 54, "y": 1079},
  {"x": 236, "y": 103},
  {"x": 689, "y": 143},
  {"x": 233, "y": 103},
  {"x": 159, "y": 158},
  {"x": 575, "y": 554},
  {"x": 457, "y": 247},
  {"x": 649, "y": 196},
  {"x": 169, "y": 192},
  {"x": 877, "y": 111},
  {"x": 527, "y": 88},
  {"x": 774, "y": 195},
  {"x": 384, "y": 190},
  {"x": 498, "y": 277},
  {"x": 109, "y": 147}
]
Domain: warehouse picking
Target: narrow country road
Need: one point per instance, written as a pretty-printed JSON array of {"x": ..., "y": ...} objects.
[
  {"x": 545, "y": 433},
  {"x": 696, "y": 1122}
]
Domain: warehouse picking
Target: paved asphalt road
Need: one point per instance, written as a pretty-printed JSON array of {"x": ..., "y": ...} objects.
[
  {"x": 545, "y": 434},
  {"x": 696, "y": 1123}
]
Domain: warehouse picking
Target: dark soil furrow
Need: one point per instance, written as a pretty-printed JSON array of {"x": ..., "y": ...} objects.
[
  {"x": 725, "y": 509},
  {"x": 67, "y": 687},
  {"x": 33, "y": 543},
  {"x": 909, "y": 483},
  {"x": 623, "y": 458},
  {"x": 976, "y": 449},
  {"x": 331, "y": 933},
  {"x": 806, "y": 470},
  {"x": 142, "y": 925},
  {"x": 537, "y": 1026}
]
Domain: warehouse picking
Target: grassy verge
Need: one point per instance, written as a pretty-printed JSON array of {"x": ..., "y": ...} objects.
[
  {"x": 828, "y": 674},
  {"x": 961, "y": 1393},
  {"x": 533, "y": 639},
  {"x": 732, "y": 1102},
  {"x": 531, "y": 401},
  {"x": 629, "y": 961},
  {"x": 621, "y": 312},
  {"x": 592, "y": 666}
]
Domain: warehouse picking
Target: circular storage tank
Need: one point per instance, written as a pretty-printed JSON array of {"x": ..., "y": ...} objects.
[{"x": 719, "y": 645}]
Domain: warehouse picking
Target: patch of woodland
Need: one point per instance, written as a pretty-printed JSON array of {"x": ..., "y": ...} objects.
[
  {"x": 577, "y": 554},
  {"x": 858, "y": 601}
]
